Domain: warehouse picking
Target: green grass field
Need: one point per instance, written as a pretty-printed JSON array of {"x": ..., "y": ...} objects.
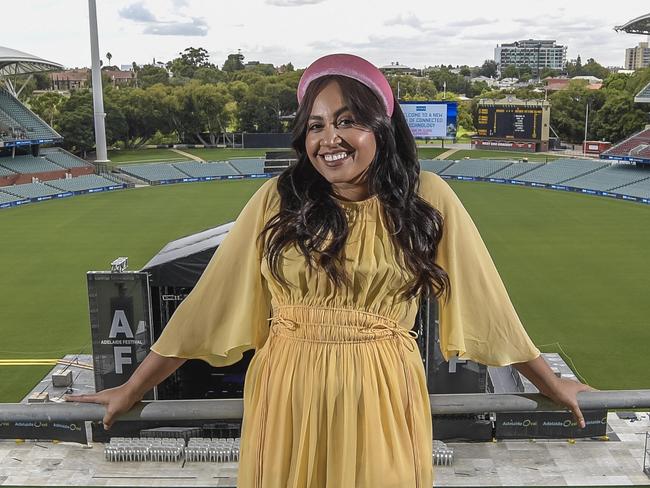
[
  {"x": 143, "y": 156},
  {"x": 483, "y": 154},
  {"x": 576, "y": 267},
  {"x": 220, "y": 154}
]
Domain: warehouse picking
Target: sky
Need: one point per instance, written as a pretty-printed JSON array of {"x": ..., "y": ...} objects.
[{"x": 421, "y": 33}]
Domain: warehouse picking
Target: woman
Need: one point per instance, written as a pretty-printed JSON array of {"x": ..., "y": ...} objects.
[{"x": 337, "y": 250}]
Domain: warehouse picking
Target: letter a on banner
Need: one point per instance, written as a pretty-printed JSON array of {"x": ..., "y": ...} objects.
[{"x": 120, "y": 324}]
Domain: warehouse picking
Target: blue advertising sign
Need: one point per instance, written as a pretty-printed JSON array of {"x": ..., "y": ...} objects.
[{"x": 431, "y": 120}]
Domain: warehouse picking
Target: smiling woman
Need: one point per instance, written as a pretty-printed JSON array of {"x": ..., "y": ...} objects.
[
  {"x": 321, "y": 274},
  {"x": 340, "y": 148}
]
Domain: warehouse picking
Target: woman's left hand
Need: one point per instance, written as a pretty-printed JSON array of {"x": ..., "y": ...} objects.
[
  {"x": 565, "y": 392},
  {"x": 561, "y": 390}
]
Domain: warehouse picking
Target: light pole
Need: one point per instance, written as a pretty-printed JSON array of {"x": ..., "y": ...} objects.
[
  {"x": 584, "y": 142},
  {"x": 101, "y": 155}
]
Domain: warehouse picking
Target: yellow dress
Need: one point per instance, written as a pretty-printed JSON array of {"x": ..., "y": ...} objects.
[{"x": 335, "y": 395}]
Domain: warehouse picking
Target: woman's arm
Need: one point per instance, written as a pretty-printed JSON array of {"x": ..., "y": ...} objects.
[
  {"x": 151, "y": 372},
  {"x": 560, "y": 390}
]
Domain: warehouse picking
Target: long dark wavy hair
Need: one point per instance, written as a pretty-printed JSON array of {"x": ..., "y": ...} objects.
[{"x": 315, "y": 222}]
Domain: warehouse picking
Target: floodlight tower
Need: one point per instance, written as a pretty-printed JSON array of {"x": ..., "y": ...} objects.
[{"x": 101, "y": 155}]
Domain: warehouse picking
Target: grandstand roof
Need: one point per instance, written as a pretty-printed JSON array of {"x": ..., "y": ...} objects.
[
  {"x": 640, "y": 25},
  {"x": 13, "y": 62},
  {"x": 644, "y": 95}
]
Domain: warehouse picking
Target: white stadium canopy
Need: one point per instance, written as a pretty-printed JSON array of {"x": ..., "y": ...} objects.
[
  {"x": 13, "y": 62},
  {"x": 640, "y": 25}
]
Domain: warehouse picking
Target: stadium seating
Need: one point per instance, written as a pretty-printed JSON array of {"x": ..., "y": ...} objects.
[
  {"x": 7, "y": 197},
  {"x": 31, "y": 190},
  {"x": 561, "y": 170},
  {"x": 476, "y": 167},
  {"x": 63, "y": 158},
  {"x": 153, "y": 173},
  {"x": 623, "y": 148},
  {"x": 10, "y": 130},
  {"x": 640, "y": 189},
  {"x": 5, "y": 171},
  {"x": 29, "y": 164},
  {"x": 198, "y": 170},
  {"x": 249, "y": 166},
  {"x": 515, "y": 170},
  {"x": 435, "y": 165},
  {"x": 34, "y": 127},
  {"x": 609, "y": 178},
  {"x": 81, "y": 183}
]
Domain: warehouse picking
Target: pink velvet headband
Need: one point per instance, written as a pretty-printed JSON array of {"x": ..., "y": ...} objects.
[{"x": 352, "y": 67}]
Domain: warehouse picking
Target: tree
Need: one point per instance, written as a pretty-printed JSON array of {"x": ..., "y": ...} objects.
[
  {"x": 549, "y": 73},
  {"x": 444, "y": 79},
  {"x": 262, "y": 106},
  {"x": 285, "y": 68},
  {"x": 76, "y": 122},
  {"x": 144, "y": 111},
  {"x": 150, "y": 75},
  {"x": 199, "y": 112},
  {"x": 488, "y": 69},
  {"x": 618, "y": 118},
  {"x": 592, "y": 68},
  {"x": 574, "y": 67},
  {"x": 47, "y": 106},
  {"x": 568, "y": 108},
  {"x": 413, "y": 89},
  {"x": 109, "y": 56},
  {"x": 210, "y": 74},
  {"x": 235, "y": 62},
  {"x": 189, "y": 61}
]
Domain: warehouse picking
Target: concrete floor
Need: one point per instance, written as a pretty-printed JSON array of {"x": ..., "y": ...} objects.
[{"x": 618, "y": 461}]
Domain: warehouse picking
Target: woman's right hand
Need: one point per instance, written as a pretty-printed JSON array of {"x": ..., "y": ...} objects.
[{"x": 117, "y": 401}]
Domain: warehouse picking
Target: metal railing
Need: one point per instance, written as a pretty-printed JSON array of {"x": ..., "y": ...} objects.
[{"x": 444, "y": 404}]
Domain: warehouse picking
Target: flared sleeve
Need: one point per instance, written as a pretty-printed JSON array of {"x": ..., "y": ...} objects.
[
  {"x": 479, "y": 321},
  {"x": 226, "y": 312}
]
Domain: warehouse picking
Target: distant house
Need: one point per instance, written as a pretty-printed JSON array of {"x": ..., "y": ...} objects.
[
  {"x": 121, "y": 78},
  {"x": 71, "y": 79},
  {"x": 398, "y": 69},
  {"x": 507, "y": 82},
  {"x": 74, "y": 79},
  {"x": 489, "y": 81},
  {"x": 556, "y": 84}
]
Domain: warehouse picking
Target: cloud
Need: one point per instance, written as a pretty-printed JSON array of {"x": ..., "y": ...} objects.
[
  {"x": 410, "y": 20},
  {"x": 470, "y": 22},
  {"x": 137, "y": 12},
  {"x": 293, "y": 3},
  {"x": 196, "y": 27}
]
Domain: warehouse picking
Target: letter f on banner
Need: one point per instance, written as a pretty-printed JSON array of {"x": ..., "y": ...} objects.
[{"x": 122, "y": 356}]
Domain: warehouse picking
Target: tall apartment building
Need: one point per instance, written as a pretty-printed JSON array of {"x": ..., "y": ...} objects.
[
  {"x": 637, "y": 57},
  {"x": 538, "y": 54}
]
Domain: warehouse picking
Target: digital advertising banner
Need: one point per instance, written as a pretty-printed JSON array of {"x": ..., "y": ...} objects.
[
  {"x": 120, "y": 320},
  {"x": 431, "y": 120},
  {"x": 44, "y": 430}
]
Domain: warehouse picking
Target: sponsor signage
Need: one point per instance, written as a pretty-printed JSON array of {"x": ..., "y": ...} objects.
[
  {"x": 60, "y": 431},
  {"x": 120, "y": 320},
  {"x": 432, "y": 119},
  {"x": 549, "y": 425}
]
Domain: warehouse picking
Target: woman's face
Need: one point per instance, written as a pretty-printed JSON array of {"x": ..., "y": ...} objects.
[{"x": 339, "y": 148}]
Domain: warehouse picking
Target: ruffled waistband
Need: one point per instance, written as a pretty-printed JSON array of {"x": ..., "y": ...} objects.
[{"x": 336, "y": 325}]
